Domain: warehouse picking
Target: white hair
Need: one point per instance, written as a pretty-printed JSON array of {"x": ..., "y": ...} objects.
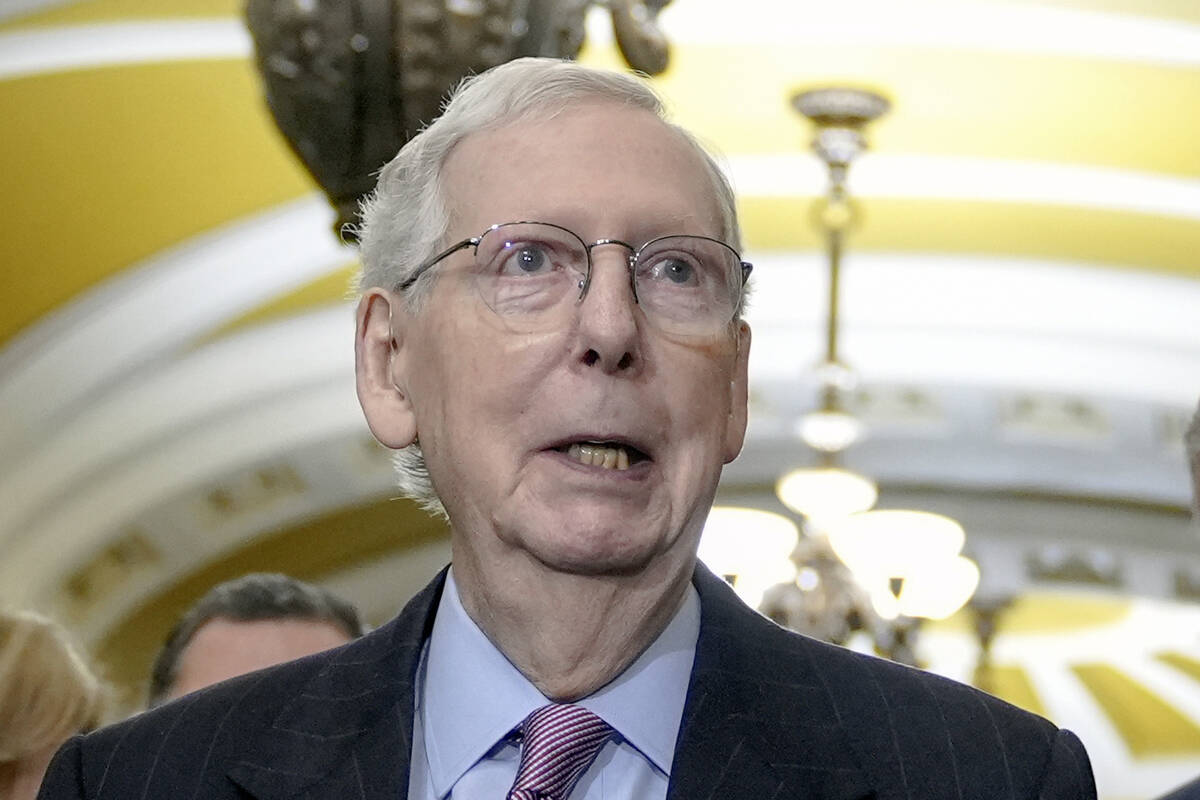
[{"x": 405, "y": 219}]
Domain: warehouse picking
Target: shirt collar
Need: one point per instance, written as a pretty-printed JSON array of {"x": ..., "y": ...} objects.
[{"x": 474, "y": 696}]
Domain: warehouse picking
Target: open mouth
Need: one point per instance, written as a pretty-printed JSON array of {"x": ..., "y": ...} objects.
[{"x": 606, "y": 455}]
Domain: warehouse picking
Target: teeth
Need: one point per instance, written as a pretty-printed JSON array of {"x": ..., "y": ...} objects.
[{"x": 598, "y": 455}]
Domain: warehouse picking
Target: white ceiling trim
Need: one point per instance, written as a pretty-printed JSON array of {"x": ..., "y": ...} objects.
[
  {"x": 154, "y": 308},
  {"x": 46, "y": 50},
  {"x": 960, "y": 319},
  {"x": 87, "y": 515},
  {"x": 156, "y": 404},
  {"x": 949, "y": 24},
  {"x": 244, "y": 398},
  {"x": 961, "y": 178}
]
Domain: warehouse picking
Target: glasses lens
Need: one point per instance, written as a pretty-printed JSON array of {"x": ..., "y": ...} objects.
[
  {"x": 527, "y": 271},
  {"x": 688, "y": 283}
]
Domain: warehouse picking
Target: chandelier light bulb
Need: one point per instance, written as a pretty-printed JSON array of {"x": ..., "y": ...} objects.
[
  {"x": 750, "y": 548},
  {"x": 821, "y": 493},
  {"x": 894, "y": 543},
  {"x": 935, "y": 591},
  {"x": 829, "y": 431},
  {"x": 940, "y": 589}
]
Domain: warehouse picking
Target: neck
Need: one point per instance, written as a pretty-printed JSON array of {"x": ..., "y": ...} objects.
[{"x": 569, "y": 634}]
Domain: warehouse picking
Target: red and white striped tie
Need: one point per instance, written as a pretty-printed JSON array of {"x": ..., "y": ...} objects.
[{"x": 558, "y": 744}]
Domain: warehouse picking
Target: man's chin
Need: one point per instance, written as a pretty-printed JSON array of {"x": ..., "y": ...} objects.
[
  {"x": 588, "y": 535},
  {"x": 589, "y": 549},
  {"x": 592, "y": 564}
]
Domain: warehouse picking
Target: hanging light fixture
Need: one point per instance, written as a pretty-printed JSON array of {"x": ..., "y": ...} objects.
[
  {"x": 750, "y": 548},
  {"x": 894, "y": 543},
  {"x": 908, "y": 563},
  {"x": 826, "y": 492},
  {"x": 839, "y": 115}
]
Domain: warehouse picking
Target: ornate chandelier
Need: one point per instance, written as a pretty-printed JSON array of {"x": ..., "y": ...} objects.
[{"x": 854, "y": 570}]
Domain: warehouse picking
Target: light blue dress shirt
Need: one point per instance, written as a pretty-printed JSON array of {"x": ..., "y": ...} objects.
[{"x": 469, "y": 698}]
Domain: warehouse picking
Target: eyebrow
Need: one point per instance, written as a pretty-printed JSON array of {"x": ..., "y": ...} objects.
[{"x": 638, "y": 233}]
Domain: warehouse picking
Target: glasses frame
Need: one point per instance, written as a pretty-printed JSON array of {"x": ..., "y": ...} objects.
[{"x": 585, "y": 284}]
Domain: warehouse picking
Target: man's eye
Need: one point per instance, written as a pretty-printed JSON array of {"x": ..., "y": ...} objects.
[
  {"x": 526, "y": 259},
  {"x": 673, "y": 270},
  {"x": 677, "y": 271}
]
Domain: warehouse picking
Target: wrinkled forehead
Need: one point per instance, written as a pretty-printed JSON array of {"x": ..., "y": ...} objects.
[{"x": 600, "y": 168}]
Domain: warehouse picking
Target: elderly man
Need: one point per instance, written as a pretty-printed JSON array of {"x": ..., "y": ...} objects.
[{"x": 550, "y": 335}]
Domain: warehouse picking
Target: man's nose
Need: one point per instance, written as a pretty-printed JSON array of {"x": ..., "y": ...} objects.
[{"x": 608, "y": 325}]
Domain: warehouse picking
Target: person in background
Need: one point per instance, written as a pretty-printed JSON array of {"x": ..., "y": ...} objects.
[
  {"x": 1191, "y": 447},
  {"x": 246, "y": 624},
  {"x": 47, "y": 695},
  {"x": 550, "y": 334}
]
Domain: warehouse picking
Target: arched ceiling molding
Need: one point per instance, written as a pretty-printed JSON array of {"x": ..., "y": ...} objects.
[
  {"x": 999, "y": 105},
  {"x": 308, "y": 480},
  {"x": 140, "y": 160},
  {"x": 91, "y": 515},
  {"x": 971, "y": 439},
  {"x": 941, "y": 227},
  {"x": 41, "y": 13},
  {"x": 952, "y": 24},
  {"x": 978, "y": 179},
  {"x": 330, "y": 289},
  {"x": 24, "y": 53},
  {"x": 253, "y": 377},
  {"x": 984, "y": 321},
  {"x": 139, "y": 319}
]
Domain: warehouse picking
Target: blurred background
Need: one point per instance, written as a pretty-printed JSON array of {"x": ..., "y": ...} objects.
[{"x": 1018, "y": 337}]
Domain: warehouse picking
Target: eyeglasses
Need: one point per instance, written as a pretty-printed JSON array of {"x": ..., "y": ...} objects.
[{"x": 532, "y": 274}]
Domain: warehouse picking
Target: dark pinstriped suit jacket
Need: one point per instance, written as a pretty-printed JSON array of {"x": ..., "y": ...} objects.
[{"x": 769, "y": 714}]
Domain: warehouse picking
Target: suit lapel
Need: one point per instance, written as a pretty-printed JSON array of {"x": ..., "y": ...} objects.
[
  {"x": 348, "y": 733},
  {"x": 755, "y": 724}
]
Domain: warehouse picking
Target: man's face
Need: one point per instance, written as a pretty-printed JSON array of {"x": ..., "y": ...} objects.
[
  {"x": 497, "y": 412},
  {"x": 223, "y": 648}
]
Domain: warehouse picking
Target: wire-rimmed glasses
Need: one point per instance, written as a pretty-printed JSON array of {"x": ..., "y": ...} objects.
[{"x": 532, "y": 274}]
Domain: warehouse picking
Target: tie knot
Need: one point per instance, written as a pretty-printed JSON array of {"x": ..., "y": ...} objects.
[{"x": 558, "y": 744}]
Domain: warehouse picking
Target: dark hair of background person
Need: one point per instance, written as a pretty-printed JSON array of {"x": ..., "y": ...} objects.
[{"x": 250, "y": 598}]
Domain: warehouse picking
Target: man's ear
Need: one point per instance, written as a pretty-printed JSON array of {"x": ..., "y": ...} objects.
[
  {"x": 379, "y": 366},
  {"x": 735, "y": 426}
]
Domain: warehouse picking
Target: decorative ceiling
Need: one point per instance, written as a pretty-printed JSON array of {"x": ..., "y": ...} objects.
[{"x": 1021, "y": 304}]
